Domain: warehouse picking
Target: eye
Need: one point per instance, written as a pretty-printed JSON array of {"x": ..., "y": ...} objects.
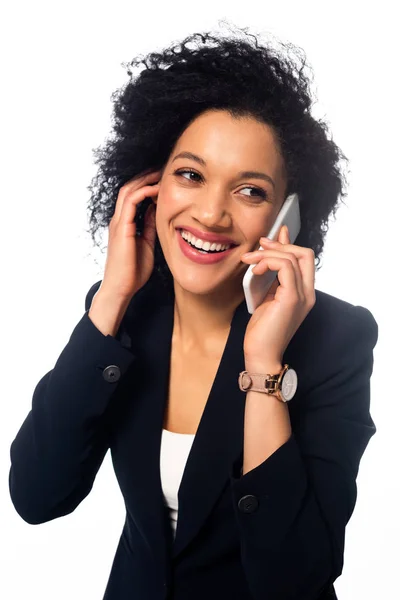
[
  {"x": 182, "y": 171},
  {"x": 258, "y": 191}
]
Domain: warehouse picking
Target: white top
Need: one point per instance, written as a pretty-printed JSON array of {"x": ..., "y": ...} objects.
[{"x": 175, "y": 448}]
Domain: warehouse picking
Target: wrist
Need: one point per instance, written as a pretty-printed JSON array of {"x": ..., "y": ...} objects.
[
  {"x": 107, "y": 312},
  {"x": 271, "y": 367}
]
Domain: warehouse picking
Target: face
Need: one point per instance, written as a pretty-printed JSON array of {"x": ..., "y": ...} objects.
[{"x": 208, "y": 191}]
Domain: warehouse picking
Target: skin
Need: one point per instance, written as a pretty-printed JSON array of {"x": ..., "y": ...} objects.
[{"x": 216, "y": 200}]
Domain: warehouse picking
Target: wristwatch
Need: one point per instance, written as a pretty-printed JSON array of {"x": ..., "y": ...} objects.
[{"x": 283, "y": 385}]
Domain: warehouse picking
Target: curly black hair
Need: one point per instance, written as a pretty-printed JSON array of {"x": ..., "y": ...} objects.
[{"x": 243, "y": 77}]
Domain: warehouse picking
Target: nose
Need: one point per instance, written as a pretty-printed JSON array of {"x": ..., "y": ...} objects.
[{"x": 213, "y": 210}]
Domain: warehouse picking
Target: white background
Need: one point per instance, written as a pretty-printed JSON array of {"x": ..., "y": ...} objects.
[{"x": 60, "y": 62}]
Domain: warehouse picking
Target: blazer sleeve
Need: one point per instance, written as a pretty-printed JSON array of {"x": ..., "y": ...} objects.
[
  {"x": 292, "y": 546},
  {"x": 61, "y": 445}
]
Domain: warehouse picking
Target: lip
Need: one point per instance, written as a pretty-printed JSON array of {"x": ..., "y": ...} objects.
[
  {"x": 208, "y": 237},
  {"x": 198, "y": 257}
]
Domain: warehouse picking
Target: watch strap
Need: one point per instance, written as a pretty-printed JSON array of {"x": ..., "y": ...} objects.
[
  {"x": 270, "y": 384},
  {"x": 260, "y": 382}
]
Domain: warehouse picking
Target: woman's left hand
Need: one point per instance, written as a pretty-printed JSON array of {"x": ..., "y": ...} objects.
[{"x": 289, "y": 300}]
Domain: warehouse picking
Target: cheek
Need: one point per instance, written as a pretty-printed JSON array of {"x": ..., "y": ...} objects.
[
  {"x": 171, "y": 200},
  {"x": 164, "y": 211},
  {"x": 255, "y": 235}
]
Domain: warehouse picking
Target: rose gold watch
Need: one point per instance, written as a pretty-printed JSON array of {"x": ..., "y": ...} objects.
[{"x": 282, "y": 385}]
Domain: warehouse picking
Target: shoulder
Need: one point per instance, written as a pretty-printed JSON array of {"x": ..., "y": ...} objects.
[
  {"x": 333, "y": 344},
  {"x": 333, "y": 321},
  {"x": 343, "y": 319}
]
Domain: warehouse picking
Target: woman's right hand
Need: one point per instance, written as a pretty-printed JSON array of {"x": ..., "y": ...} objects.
[{"x": 130, "y": 259}]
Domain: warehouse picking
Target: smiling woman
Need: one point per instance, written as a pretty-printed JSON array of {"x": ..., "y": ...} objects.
[
  {"x": 220, "y": 200},
  {"x": 238, "y": 473},
  {"x": 257, "y": 86}
]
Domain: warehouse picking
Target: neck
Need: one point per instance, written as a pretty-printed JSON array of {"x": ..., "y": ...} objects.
[{"x": 201, "y": 322}]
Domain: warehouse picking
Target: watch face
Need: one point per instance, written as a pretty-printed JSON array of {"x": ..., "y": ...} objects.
[{"x": 289, "y": 384}]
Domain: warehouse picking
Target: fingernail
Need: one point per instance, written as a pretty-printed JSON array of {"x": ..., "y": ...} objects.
[{"x": 267, "y": 240}]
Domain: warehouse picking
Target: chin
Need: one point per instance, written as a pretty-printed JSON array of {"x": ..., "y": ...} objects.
[
  {"x": 202, "y": 286},
  {"x": 195, "y": 287}
]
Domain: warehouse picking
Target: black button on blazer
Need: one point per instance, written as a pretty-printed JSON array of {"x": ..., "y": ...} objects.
[{"x": 276, "y": 533}]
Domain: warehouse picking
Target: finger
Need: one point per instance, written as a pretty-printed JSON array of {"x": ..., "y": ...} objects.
[
  {"x": 259, "y": 255},
  {"x": 306, "y": 261},
  {"x": 132, "y": 185},
  {"x": 289, "y": 280},
  {"x": 142, "y": 179},
  {"x": 283, "y": 242},
  {"x": 274, "y": 286},
  {"x": 284, "y": 235},
  {"x": 307, "y": 267},
  {"x": 126, "y": 210},
  {"x": 146, "y": 176}
]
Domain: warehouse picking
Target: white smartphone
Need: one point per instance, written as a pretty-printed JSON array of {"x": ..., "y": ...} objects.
[{"x": 256, "y": 286}]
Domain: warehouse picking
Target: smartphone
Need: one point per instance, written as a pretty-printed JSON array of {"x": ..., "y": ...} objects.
[{"x": 256, "y": 286}]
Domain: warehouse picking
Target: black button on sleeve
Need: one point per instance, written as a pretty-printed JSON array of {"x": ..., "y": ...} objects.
[
  {"x": 248, "y": 504},
  {"x": 112, "y": 373}
]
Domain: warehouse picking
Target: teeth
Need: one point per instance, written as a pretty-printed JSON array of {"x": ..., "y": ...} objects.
[{"x": 201, "y": 245}]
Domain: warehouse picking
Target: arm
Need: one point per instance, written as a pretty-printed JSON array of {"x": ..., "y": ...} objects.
[
  {"x": 62, "y": 442},
  {"x": 267, "y": 423},
  {"x": 293, "y": 544}
]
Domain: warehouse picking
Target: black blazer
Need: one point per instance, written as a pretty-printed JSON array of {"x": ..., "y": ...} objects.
[{"x": 276, "y": 533}]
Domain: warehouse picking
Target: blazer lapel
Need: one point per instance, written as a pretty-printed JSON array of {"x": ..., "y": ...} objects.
[
  {"x": 218, "y": 441},
  {"x": 217, "y": 444}
]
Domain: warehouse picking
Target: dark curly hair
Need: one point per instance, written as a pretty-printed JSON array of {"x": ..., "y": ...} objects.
[{"x": 236, "y": 74}]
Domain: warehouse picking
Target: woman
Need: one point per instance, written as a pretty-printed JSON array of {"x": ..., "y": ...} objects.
[{"x": 209, "y": 141}]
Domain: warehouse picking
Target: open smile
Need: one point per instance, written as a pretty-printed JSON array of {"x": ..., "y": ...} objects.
[{"x": 201, "y": 256}]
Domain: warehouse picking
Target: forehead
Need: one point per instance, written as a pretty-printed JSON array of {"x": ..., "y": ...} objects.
[{"x": 218, "y": 136}]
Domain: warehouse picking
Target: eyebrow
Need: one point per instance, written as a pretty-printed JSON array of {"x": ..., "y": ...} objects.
[{"x": 242, "y": 174}]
